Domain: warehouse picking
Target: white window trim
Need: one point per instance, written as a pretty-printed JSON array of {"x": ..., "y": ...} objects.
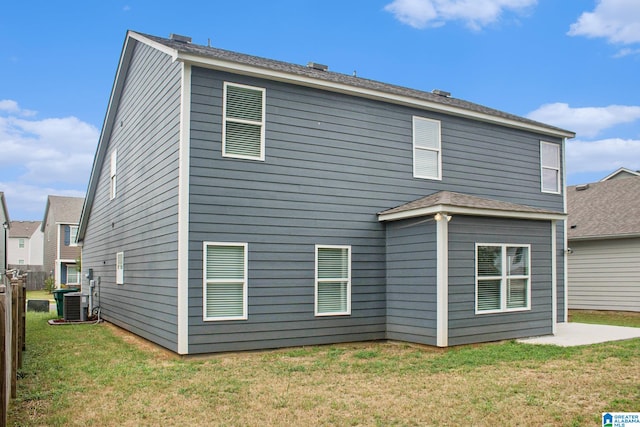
[
  {"x": 120, "y": 268},
  {"x": 261, "y": 123},
  {"x": 72, "y": 240},
  {"x": 317, "y": 280},
  {"x": 436, "y": 150},
  {"x": 77, "y": 275},
  {"x": 113, "y": 187},
  {"x": 205, "y": 282},
  {"x": 503, "y": 279},
  {"x": 557, "y": 169}
]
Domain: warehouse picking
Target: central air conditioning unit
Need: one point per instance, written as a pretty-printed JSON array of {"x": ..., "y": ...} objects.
[{"x": 74, "y": 307}]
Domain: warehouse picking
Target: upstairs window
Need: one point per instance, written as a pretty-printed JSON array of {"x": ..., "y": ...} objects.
[
  {"x": 225, "y": 281},
  {"x": 112, "y": 186},
  {"x": 70, "y": 235},
  {"x": 503, "y": 278},
  {"x": 333, "y": 280},
  {"x": 21, "y": 243},
  {"x": 244, "y": 122},
  {"x": 427, "y": 159},
  {"x": 550, "y": 167}
]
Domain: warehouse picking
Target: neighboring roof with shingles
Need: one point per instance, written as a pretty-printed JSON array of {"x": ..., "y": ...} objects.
[
  {"x": 344, "y": 79},
  {"x": 604, "y": 209},
  {"x": 23, "y": 228},
  {"x": 451, "y": 202},
  {"x": 65, "y": 210}
]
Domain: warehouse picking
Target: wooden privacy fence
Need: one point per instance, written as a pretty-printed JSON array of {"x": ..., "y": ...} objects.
[
  {"x": 33, "y": 276},
  {"x": 13, "y": 295}
]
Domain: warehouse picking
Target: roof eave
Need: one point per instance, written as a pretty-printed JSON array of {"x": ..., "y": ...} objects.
[
  {"x": 459, "y": 210},
  {"x": 255, "y": 71},
  {"x": 107, "y": 127},
  {"x": 604, "y": 237}
]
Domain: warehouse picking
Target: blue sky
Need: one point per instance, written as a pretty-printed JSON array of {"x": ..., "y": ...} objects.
[{"x": 574, "y": 64}]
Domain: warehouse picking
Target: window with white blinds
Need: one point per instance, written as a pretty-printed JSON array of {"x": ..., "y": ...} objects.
[
  {"x": 333, "y": 280},
  {"x": 550, "y": 167},
  {"x": 244, "y": 121},
  {"x": 502, "y": 278},
  {"x": 225, "y": 281},
  {"x": 427, "y": 159}
]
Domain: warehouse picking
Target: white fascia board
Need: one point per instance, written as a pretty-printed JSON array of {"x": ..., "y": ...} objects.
[
  {"x": 159, "y": 46},
  {"x": 453, "y": 210},
  {"x": 281, "y": 76}
]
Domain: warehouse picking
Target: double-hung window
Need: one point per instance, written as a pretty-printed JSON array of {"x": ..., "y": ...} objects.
[
  {"x": 333, "y": 280},
  {"x": 427, "y": 156},
  {"x": 550, "y": 167},
  {"x": 503, "y": 278},
  {"x": 244, "y": 121},
  {"x": 225, "y": 281},
  {"x": 73, "y": 275},
  {"x": 73, "y": 235},
  {"x": 21, "y": 243},
  {"x": 120, "y": 268}
]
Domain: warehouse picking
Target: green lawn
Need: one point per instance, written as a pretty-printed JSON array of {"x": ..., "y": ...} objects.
[
  {"x": 97, "y": 375},
  {"x": 39, "y": 295},
  {"x": 619, "y": 318}
]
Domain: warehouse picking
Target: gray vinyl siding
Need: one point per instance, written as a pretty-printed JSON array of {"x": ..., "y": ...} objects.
[
  {"x": 411, "y": 281},
  {"x": 605, "y": 274},
  {"x": 142, "y": 220},
  {"x": 467, "y": 327},
  {"x": 332, "y": 162}
]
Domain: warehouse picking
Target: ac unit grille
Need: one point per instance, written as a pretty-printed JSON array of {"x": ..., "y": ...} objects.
[{"x": 72, "y": 307}]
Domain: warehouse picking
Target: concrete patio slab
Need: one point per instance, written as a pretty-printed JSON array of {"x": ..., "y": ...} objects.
[{"x": 572, "y": 334}]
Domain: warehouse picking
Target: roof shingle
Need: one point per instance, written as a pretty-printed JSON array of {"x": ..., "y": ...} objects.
[{"x": 604, "y": 209}]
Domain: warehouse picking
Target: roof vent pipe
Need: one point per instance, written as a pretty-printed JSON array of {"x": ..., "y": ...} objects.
[{"x": 179, "y": 38}]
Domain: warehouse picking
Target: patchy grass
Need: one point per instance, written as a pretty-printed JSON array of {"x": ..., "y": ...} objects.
[
  {"x": 97, "y": 375},
  {"x": 39, "y": 295},
  {"x": 617, "y": 318}
]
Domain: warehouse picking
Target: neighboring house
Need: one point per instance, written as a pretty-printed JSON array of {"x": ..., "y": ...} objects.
[
  {"x": 6, "y": 226},
  {"x": 621, "y": 173},
  {"x": 604, "y": 237},
  {"x": 241, "y": 203},
  {"x": 25, "y": 244},
  {"x": 60, "y": 227}
]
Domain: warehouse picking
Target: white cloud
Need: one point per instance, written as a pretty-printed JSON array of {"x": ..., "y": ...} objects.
[
  {"x": 12, "y": 107},
  {"x": 618, "y": 21},
  {"x": 43, "y": 156},
  {"x": 587, "y": 122},
  {"x": 434, "y": 13},
  {"x": 29, "y": 200},
  {"x": 603, "y": 156}
]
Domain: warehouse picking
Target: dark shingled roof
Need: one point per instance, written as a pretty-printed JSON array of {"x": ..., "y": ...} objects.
[
  {"x": 459, "y": 200},
  {"x": 65, "y": 210},
  {"x": 23, "y": 228},
  {"x": 604, "y": 209},
  {"x": 333, "y": 77}
]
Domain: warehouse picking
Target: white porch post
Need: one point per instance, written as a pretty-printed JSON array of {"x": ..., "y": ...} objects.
[
  {"x": 554, "y": 278},
  {"x": 442, "y": 278}
]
